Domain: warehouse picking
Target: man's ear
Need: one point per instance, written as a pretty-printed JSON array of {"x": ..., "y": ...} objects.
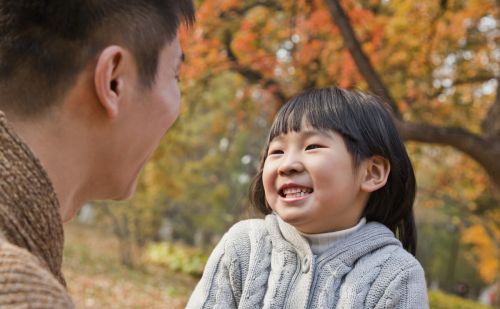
[
  {"x": 377, "y": 170},
  {"x": 109, "y": 78}
]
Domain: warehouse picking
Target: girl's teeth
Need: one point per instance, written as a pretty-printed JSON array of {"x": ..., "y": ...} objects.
[
  {"x": 295, "y": 194},
  {"x": 296, "y": 191}
]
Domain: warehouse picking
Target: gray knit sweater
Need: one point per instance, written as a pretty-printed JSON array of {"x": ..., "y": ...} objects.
[{"x": 268, "y": 264}]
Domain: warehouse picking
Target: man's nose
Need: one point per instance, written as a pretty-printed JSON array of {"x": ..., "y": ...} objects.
[{"x": 291, "y": 164}]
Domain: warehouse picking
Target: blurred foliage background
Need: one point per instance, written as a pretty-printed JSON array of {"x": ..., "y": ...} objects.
[{"x": 436, "y": 62}]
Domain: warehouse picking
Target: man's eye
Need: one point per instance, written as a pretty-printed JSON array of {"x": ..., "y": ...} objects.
[{"x": 313, "y": 146}]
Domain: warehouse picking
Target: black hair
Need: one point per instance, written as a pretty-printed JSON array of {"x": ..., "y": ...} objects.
[
  {"x": 366, "y": 125},
  {"x": 46, "y": 43}
]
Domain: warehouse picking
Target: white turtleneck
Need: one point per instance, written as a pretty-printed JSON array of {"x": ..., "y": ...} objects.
[{"x": 322, "y": 242}]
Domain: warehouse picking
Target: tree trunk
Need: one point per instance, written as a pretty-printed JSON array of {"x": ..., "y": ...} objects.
[{"x": 122, "y": 233}]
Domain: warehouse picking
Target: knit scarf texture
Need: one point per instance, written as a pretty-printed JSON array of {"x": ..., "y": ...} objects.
[{"x": 29, "y": 209}]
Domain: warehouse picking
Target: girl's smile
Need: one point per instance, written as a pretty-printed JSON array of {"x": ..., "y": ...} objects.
[{"x": 291, "y": 192}]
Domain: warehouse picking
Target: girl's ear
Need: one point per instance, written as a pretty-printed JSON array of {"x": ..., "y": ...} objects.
[{"x": 377, "y": 170}]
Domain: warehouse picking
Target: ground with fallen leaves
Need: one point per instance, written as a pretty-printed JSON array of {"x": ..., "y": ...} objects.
[{"x": 96, "y": 278}]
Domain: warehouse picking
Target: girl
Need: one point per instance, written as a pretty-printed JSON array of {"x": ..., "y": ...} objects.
[{"x": 336, "y": 186}]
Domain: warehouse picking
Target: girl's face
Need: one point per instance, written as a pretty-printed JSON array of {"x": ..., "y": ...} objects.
[{"x": 310, "y": 181}]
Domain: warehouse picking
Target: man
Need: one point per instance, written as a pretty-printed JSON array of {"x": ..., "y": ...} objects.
[{"x": 87, "y": 90}]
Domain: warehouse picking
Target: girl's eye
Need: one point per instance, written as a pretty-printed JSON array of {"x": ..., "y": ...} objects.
[
  {"x": 275, "y": 151},
  {"x": 313, "y": 146}
]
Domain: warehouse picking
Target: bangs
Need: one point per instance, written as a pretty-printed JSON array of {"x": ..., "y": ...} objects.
[{"x": 316, "y": 110}]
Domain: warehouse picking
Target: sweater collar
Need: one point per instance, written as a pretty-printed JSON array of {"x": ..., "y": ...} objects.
[
  {"x": 286, "y": 238},
  {"x": 369, "y": 237},
  {"x": 29, "y": 209},
  {"x": 322, "y": 242}
]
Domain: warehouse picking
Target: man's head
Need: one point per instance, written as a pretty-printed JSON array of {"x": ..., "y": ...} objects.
[
  {"x": 91, "y": 85},
  {"x": 45, "y": 44}
]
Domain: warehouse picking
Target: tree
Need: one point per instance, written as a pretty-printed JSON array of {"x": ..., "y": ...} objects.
[
  {"x": 457, "y": 218},
  {"x": 435, "y": 62}
]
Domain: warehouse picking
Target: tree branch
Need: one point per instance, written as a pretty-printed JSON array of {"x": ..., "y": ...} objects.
[
  {"x": 485, "y": 151},
  {"x": 491, "y": 123},
  {"x": 481, "y": 78},
  {"x": 362, "y": 61},
  {"x": 250, "y": 75}
]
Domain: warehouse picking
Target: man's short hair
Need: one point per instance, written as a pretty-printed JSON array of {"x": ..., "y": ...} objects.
[{"x": 45, "y": 43}]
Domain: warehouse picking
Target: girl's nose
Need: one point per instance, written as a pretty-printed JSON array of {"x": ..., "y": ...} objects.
[{"x": 290, "y": 166}]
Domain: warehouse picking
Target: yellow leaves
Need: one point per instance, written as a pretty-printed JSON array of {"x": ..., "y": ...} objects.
[
  {"x": 229, "y": 4},
  {"x": 476, "y": 8},
  {"x": 447, "y": 176},
  {"x": 219, "y": 127},
  {"x": 259, "y": 15},
  {"x": 453, "y": 184},
  {"x": 485, "y": 250}
]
